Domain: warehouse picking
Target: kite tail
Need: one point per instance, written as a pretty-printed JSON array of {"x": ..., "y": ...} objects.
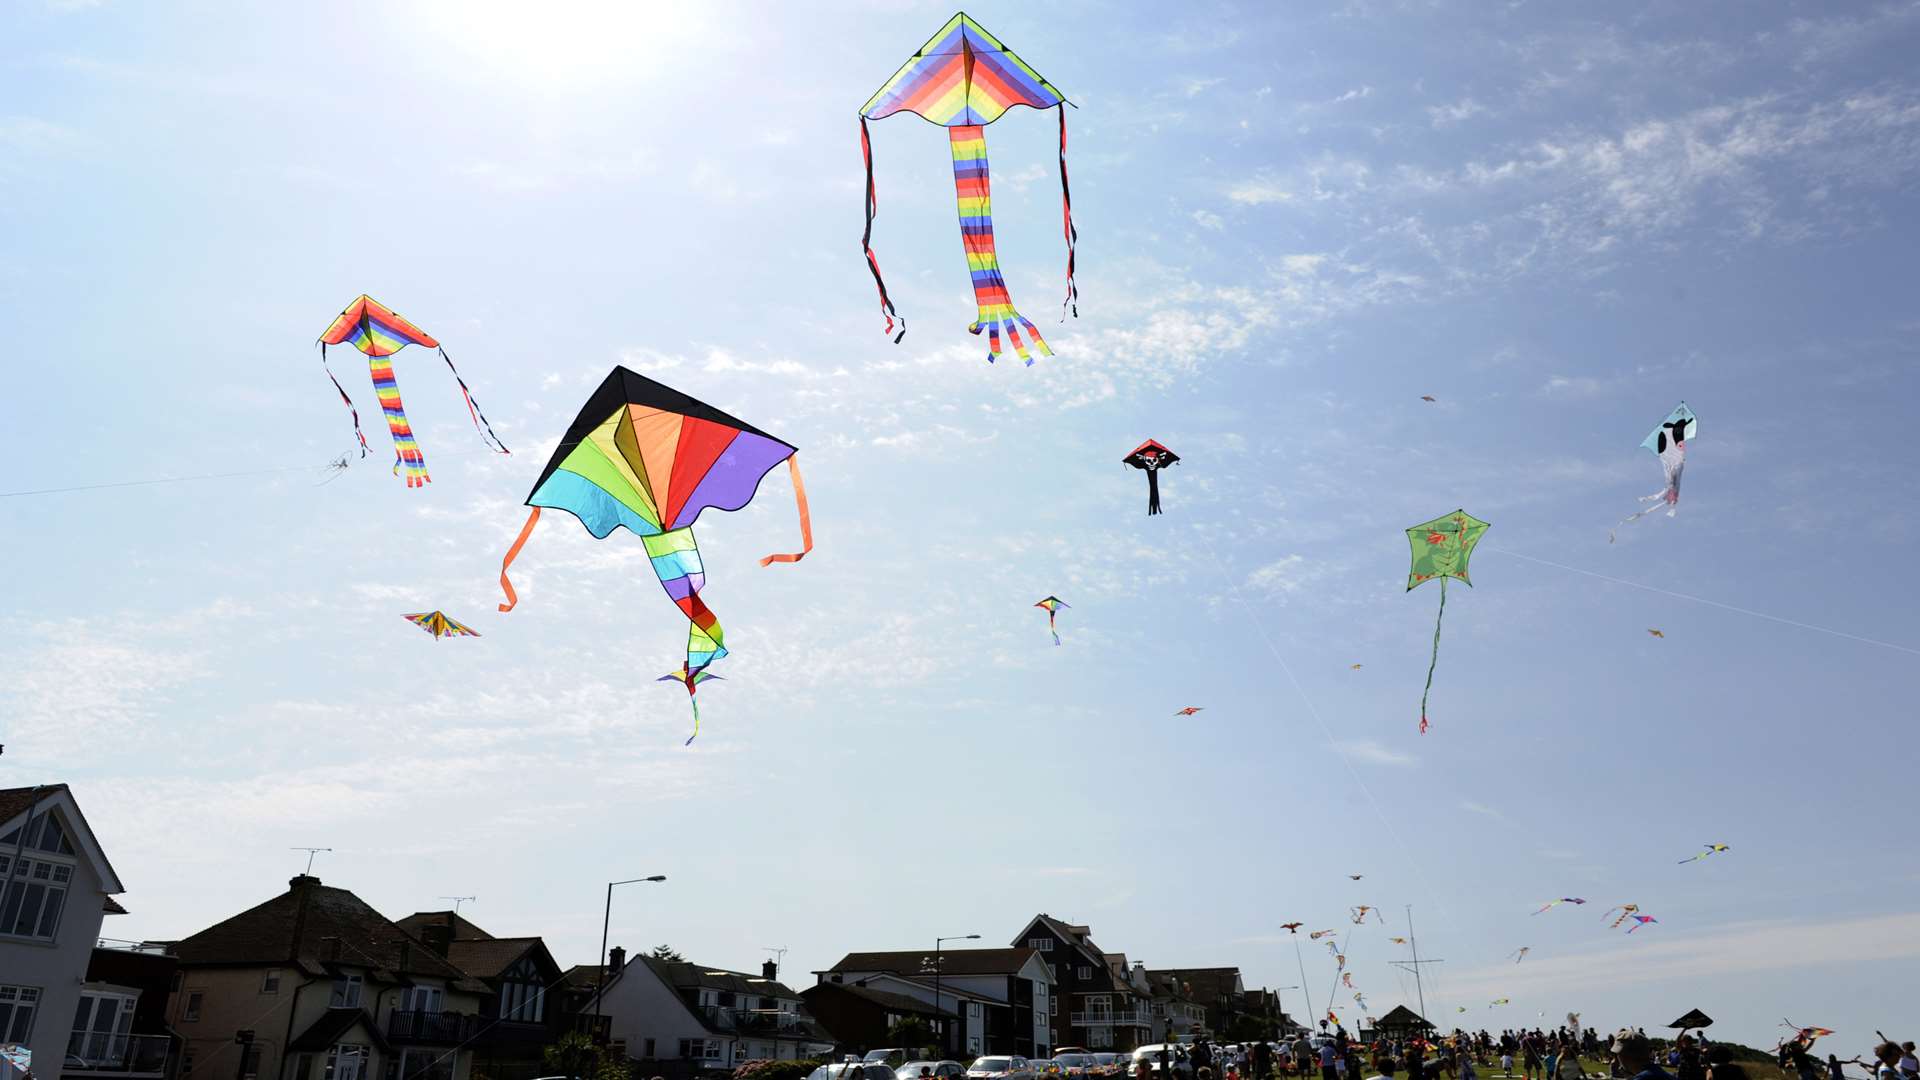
[
  {"x": 405, "y": 451},
  {"x": 1066, "y": 215},
  {"x": 1153, "y": 492},
  {"x": 974, "y": 192},
  {"x": 344, "y": 400},
  {"x": 676, "y": 561},
  {"x": 473, "y": 408},
  {"x": 1053, "y": 628},
  {"x": 506, "y": 586},
  {"x": 806, "y": 520},
  {"x": 1436, "y": 656},
  {"x": 866, "y": 240}
]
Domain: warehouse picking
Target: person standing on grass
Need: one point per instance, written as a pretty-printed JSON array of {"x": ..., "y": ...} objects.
[{"x": 1635, "y": 1054}]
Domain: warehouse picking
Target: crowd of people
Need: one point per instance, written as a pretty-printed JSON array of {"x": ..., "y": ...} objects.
[{"x": 1526, "y": 1055}]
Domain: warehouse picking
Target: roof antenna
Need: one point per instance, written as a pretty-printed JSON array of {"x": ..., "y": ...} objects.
[
  {"x": 457, "y": 901},
  {"x": 779, "y": 954},
  {"x": 311, "y": 852}
]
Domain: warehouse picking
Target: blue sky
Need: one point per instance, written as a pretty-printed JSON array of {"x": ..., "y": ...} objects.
[{"x": 1292, "y": 225}]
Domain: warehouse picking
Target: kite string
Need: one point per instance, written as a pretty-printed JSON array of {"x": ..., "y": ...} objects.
[
  {"x": 185, "y": 479},
  {"x": 1712, "y": 603},
  {"x": 1434, "y": 661},
  {"x": 1313, "y": 710}
]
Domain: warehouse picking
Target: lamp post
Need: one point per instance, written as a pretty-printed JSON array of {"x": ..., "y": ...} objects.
[
  {"x": 946, "y": 1042},
  {"x": 606, "y": 921}
]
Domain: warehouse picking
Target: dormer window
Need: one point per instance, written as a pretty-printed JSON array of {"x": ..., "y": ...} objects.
[
  {"x": 1040, "y": 944},
  {"x": 346, "y": 992}
]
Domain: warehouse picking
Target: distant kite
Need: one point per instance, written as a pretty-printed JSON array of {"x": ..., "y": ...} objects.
[
  {"x": 1426, "y": 397},
  {"x": 1318, "y": 934},
  {"x": 1656, "y": 633},
  {"x": 1359, "y": 914},
  {"x": 1398, "y": 940},
  {"x": 1712, "y": 849},
  {"x": 1640, "y": 921},
  {"x": 1190, "y": 710},
  {"x": 1353, "y": 667},
  {"x": 1669, "y": 443},
  {"x": 1499, "y": 1001},
  {"x": 1562, "y": 900},
  {"x": 1291, "y": 927},
  {"x": 374, "y": 329},
  {"x": 1355, "y": 877},
  {"x": 1520, "y": 953},
  {"x": 1441, "y": 548},
  {"x": 963, "y": 79},
  {"x": 1624, "y": 910},
  {"x": 1150, "y": 457},
  {"x": 1053, "y": 606},
  {"x": 437, "y": 624}
]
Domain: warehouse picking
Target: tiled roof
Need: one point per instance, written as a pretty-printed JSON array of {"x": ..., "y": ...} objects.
[
  {"x": 313, "y": 922},
  {"x": 1206, "y": 985},
  {"x": 885, "y": 999},
  {"x": 682, "y": 975},
  {"x": 461, "y": 929},
  {"x": 112, "y": 907},
  {"x": 486, "y": 958},
  {"x": 952, "y": 961},
  {"x": 1401, "y": 1016},
  {"x": 14, "y": 801}
]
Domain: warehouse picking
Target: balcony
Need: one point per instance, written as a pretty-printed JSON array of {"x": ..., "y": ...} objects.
[
  {"x": 754, "y": 1021},
  {"x": 109, "y": 1054},
  {"x": 431, "y": 1028},
  {"x": 1112, "y": 1018}
]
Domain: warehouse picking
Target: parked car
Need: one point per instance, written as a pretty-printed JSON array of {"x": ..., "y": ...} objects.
[
  {"x": 1058, "y": 1050},
  {"x": 1076, "y": 1064},
  {"x": 941, "y": 1070},
  {"x": 1105, "y": 1064},
  {"x": 1001, "y": 1067},
  {"x": 1180, "y": 1065},
  {"x": 893, "y": 1056},
  {"x": 852, "y": 1070}
]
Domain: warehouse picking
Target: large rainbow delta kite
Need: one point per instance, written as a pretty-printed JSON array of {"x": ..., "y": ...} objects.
[
  {"x": 650, "y": 458},
  {"x": 375, "y": 329},
  {"x": 963, "y": 79}
]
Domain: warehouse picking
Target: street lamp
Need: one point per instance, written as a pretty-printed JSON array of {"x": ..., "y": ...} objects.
[
  {"x": 606, "y": 921},
  {"x": 946, "y": 1040}
]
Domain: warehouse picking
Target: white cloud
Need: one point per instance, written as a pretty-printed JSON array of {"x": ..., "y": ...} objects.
[
  {"x": 1283, "y": 575},
  {"x": 1196, "y": 87},
  {"x": 1448, "y": 115},
  {"x": 1259, "y": 191},
  {"x": 1207, "y": 219}
]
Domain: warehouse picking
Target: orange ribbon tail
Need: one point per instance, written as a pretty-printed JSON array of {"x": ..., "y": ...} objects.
[
  {"x": 513, "y": 553},
  {"x": 806, "y": 521}
]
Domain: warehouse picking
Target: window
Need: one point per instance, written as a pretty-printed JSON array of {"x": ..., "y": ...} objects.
[
  {"x": 346, "y": 992},
  {"x": 192, "y": 1011},
  {"x": 43, "y": 834},
  {"x": 700, "y": 1049},
  {"x": 250, "y": 1062},
  {"x": 1044, "y": 944},
  {"x": 424, "y": 999},
  {"x": 1083, "y": 972},
  {"x": 418, "y": 1064},
  {"x": 100, "y": 1028},
  {"x": 1053, "y": 1006},
  {"x": 17, "y": 1005},
  {"x": 35, "y": 895},
  {"x": 523, "y": 1002},
  {"x": 270, "y": 982},
  {"x": 186, "y": 1063},
  {"x": 648, "y": 1045}
]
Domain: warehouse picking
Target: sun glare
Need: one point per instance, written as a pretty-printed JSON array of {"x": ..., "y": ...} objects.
[{"x": 566, "y": 46}]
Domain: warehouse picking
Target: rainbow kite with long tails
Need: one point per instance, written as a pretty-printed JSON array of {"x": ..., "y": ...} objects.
[
  {"x": 963, "y": 79},
  {"x": 375, "y": 329},
  {"x": 648, "y": 457},
  {"x": 1053, "y": 604}
]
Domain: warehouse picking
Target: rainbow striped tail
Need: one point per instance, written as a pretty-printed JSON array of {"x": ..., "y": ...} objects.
[
  {"x": 974, "y": 191},
  {"x": 406, "y": 451},
  {"x": 676, "y": 561}
]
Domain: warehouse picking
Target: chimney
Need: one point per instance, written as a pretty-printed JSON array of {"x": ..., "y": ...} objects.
[
  {"x": 616, "y": 960},
  {"x": 437, "y": 937},
  {"x": 770, "y": 971},
  {"x": 297, "y": 881}
]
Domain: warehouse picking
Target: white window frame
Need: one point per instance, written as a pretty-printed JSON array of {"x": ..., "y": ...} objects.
[
  {"x": 113, "y": 1040},
  {"x": 19, "y": 878},
  {"x": 190, "y": 1008},
  {"x": 1040, "y": 944},
  {"x": 345, "y": 993},
  {"x": 1083, "y": 972},
  {"x": 424, "y": 999},
  {"x": 19, "y": 1007}
]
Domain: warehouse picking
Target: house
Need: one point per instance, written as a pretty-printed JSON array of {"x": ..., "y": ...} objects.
[
  {"x": 710, "y": 1018},
  {"x": 521, "y": 1018},
  {"x": 859, "y": 1017},
  {"x": 120, "y": 1031},
  {"x": 1402, "y": 1023},
  {"x": 1175, "y": 1013},
  {"x": 56, "y": 888},
  {"x": 1219, "y": 991},
  {"x": 314, "y": 984},
  {"x": 1102, "y": 1011},
  {"x": 1002, "y": 1000}
]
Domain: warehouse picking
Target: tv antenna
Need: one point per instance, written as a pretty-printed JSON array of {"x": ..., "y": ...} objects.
[
  {"x": 457, "y": 900},
  {"x": 779, "y": 954},
  {"x": 311, "y": 852}
]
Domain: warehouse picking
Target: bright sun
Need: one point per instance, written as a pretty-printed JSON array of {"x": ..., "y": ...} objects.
[{"x": 566, "y": 45}]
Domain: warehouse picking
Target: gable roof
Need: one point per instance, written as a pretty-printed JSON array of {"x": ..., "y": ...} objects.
[
  {"x": 1401, "y": 1016},
  {"x": 312, "y": 924},
  {"x": 486, "y": 958},
  {"x": 953, "y": 962},
  {"x": 460, "y": 928},
  {"x": 332, "y": 1024},
  {"x": 1206, "y": 985},
  {"x": 1078, "y": 938},
  {"x": 883, "y": 998},
  {"x": 16, "y": 802},
  {"x": 947, "y": 990}
]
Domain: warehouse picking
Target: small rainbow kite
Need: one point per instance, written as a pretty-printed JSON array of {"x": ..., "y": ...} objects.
[{"x": 437, "y": 624}]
